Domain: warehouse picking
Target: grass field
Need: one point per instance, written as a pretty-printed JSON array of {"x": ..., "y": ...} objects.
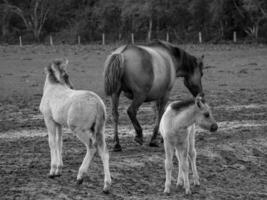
[{"x": 232, "y": 162}]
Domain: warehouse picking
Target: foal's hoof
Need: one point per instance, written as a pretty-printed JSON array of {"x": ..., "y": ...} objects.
[
  {"x": 52, "y": 176},
  {"x": 139, "y": 140},
  {"x": 117, "y": 148},
  {"x": 79, "y": 181},
  {"x": 154, "y": 143},
  {"x": 188, "y": 192},
  {"x": 106, "y": 189}
]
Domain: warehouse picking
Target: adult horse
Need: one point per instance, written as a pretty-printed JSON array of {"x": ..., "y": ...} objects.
[{"x": 147, "y": 73}]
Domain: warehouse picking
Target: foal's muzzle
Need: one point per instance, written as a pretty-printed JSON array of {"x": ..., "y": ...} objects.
[{"x": 213, "y": 127}]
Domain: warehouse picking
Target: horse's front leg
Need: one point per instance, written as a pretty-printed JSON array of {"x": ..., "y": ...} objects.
[
  {"x": 160, "y": 106},
  {"x": 59, "y": 143},
  {"x": 115, "y": 114},
  {"x": 51, "y": 128},
  {"x": 132, "y": 111}
]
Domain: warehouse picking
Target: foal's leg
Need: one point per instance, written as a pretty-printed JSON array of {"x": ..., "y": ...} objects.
[
  {"x": 115, "y": 103},
  {"x": 160, "y": 106},
  {"x": 51, "y": 128},
  {"x": 192, "y": 154},
  {"x": 169, "y": 150},
  {"x": 59, "y": 149},
  {"x": 84, "y": 136},
  {"x": 132, "y": 111},
  {"x": 103, "y": 153},
  {"x": 180, "y": 179},
  {"x": 183, "y": 158}
]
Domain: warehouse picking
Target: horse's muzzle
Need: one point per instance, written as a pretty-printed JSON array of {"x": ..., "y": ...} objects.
[{"x": 213, "y": 127}]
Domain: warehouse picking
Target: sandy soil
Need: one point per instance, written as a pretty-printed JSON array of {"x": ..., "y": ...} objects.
[{"x": 232, "y": 162}]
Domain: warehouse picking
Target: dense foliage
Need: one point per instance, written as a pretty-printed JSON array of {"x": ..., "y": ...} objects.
[{"x": 36, "y": 20}]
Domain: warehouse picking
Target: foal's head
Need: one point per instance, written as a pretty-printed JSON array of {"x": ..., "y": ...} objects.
[
  {"x": 204, "y": 115},
  {"x": 56, "y": 72}
]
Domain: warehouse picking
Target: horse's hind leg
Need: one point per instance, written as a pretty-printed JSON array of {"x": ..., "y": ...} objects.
[
  {"x": 51, "y": 128},
  {"x": 132, "y": 111},
  {"x": 84, "y": 136},
  {"x": 115, "y": 114},
  {"x": 160, "y": 106},
  {"x": 103, "y": 153}
]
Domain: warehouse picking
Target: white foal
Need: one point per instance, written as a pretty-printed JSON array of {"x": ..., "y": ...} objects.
[
  {"x": 177, "y": 128},
  {"x": 82, "y": 111}
]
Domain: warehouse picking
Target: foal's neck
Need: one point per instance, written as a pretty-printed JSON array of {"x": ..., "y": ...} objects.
[
  {"x": 190, "y": 116},
  {"x": 48, "y": 84}
]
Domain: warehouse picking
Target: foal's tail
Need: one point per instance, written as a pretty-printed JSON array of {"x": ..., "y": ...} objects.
[
  {"x": 99, "y": 126},
  {"x": 113, "y": 72}
]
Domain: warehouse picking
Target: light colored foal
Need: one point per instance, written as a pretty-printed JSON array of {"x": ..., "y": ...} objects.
[
  {"x": 177, "y": 128},
  {"x": 82, "y": 111}
]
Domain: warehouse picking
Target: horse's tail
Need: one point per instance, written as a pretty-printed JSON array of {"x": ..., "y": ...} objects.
[{"x": 113, "y": 72}]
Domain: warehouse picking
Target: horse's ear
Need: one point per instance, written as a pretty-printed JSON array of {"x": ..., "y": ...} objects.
[
  {"x": 65, "y": 63},
  {"x": 47, "y": 69},
  {"x": 200, "y": 59},
  {"x": 54, "y": 67}
]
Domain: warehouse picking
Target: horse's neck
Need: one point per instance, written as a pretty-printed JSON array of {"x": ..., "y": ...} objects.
[
  {"x": 188, "y": 117},
  {"x": 53, "y": 87},
  {"x": 181, "y": 63}
]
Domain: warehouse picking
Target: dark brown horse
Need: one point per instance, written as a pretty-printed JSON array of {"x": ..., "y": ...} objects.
[{"x": 147, "y": 73}]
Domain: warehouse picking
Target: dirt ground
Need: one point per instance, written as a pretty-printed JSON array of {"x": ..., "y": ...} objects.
[{"x": 232, "y": 162}]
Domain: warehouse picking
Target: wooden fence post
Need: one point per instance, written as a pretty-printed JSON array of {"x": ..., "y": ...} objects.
[
  {"x": 51, "y": 40},
  {"x": 200, "y": 37},
  {"x": 132, "y": 37},
  {"x": 167, "y": 37},
  {"x": 234, "y": 37},
  {"x": 103, "y": 39},
  {"x": 20, "y": 41}
]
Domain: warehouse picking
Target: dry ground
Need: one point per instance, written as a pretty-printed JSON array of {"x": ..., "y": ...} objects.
[{"x": 232, "y": 162}]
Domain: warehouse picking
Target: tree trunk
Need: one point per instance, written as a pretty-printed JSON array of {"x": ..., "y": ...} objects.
[
  {"x": 150, "y": 26},
  {"x": 221, "y": 29},
  {"x": 36, "y": 34}
]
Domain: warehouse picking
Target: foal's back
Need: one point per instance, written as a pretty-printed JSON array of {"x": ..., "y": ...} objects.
[{"x": 74, "y": 108}]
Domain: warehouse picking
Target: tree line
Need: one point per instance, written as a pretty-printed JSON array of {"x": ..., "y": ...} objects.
[{"x": 182, "y": 20}]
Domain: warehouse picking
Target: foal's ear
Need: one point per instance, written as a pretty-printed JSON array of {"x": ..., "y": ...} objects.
[
  {"x": 199, "y": 101},
  {"x": 47, "y": 69},
  {"x": 64, "y": 64},
  {"x": 200, "y": 59}
]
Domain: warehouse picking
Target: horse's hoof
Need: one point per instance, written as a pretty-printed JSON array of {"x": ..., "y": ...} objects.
[
  {"x": 188, "y": 192},
  {"x": 153, "y": 144},
  {"x": 139, "y": 140},
  {"x": 117, "y": 148},
  {"x": 79, "y": 181},
  {"x": 52, "y": 176},
  {"x": 167, "y": 192}
]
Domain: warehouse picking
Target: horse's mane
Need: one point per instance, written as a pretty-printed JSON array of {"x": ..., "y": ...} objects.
[
  {"x": 181, "y": 105},
  {"x": 51, "y": 74},
  {"x": 188, "y": 62}
]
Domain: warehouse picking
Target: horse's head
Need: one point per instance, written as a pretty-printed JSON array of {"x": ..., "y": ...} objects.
[
  {"x": 204, "y": 117},
  {"x": 192, "y": 76},
  {"x": 57, "y": 72}
]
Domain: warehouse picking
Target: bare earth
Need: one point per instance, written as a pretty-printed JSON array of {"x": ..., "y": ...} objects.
[{"x": 232, "y": 162}]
